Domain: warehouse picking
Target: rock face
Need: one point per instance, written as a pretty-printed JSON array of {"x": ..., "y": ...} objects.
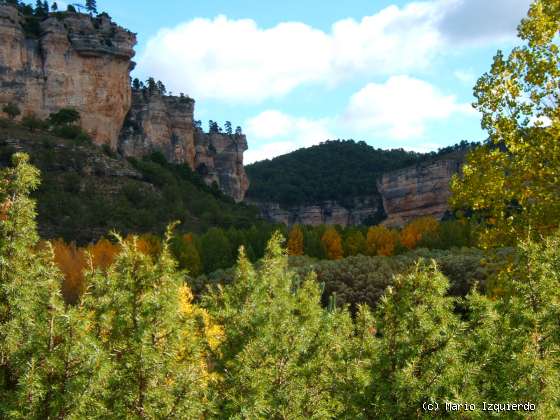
[
  {"x": 219, "y": 158},
  {"x": 162, "y": 123},
  {"x": 165, "y": 124},
  {"x": 329, "y": 212},
  {"x": 73, "y": 60},
  {"x": 421, "y": 190}
]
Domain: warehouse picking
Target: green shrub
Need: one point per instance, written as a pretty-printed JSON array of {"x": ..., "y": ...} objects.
[
  {"x": 32, "y": 123},
  {"x": 12, "y": 110}
]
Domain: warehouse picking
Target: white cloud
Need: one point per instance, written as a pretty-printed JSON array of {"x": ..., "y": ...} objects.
[
  {"x": 397, "y": 110},
  {"x": 268, "y": 151},
  {"x": 272, "y": 133},
  {"x": 400, "y": 108},
  {"x": 423, "y": 148},
  {"x": 237, "y": 61},
  {"x": 466, "y": 77},
  {"x": 477, "y": 22}
]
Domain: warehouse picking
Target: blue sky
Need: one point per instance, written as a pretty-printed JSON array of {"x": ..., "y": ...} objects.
[{"x": 295, "y": 73}]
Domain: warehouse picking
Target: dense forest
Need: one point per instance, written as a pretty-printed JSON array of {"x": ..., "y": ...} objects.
[
  {"x": 437, "y": 319},
  {"x": 338, "y": 170}
]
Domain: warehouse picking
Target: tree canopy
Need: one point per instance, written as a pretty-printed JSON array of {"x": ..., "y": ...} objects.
[{"x": 511, "y": 183}]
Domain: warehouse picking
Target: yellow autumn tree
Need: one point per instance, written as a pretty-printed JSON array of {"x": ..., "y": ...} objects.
[
  {"x": 295, "y": 241},
  {"x": 355, "y": 243},
  {"x": 381, "y": 241},
  {"x": 511, "y": 182},
  {"x": 413, "y": 232},
  {"x": 332, "y": 242}
]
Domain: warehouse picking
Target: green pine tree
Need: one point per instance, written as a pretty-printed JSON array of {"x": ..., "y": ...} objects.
[
  {"x": 514, "y": 341},
  {"x": 417, "y": 357},
  {"x": 152, "y": 338},
  {"x": 283, "y": 355},
  {"x": 91, "y": 6},
  {"x": 43, "y": 345}
]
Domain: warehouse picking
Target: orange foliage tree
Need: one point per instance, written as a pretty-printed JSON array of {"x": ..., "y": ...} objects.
[
  {"x": 72, "y": 261},
  {"x": 148, "y": 244},
  {"x": 413, "y": 233},
  {"x": 103, "y": 253},
  {"x": 332, "y": 242},
  {"x": 381, "y": 241},
  {"x": 295, "y": 241}
]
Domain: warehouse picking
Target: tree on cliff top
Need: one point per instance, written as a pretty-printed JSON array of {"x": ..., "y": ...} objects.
[
  {"x": 91, "y": 6},
  {"x": 512, "y": 182},
  {"x": 228, "y": 128}
]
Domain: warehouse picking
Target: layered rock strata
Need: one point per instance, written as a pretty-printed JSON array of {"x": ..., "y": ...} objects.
[
  {"x": 165, "y": 123},
  {"x": 162, "y": 123},
  {"x": 329, "y": 212},
  {"x": 421, "y": 190},
  {"x": 73, "y": 60}
]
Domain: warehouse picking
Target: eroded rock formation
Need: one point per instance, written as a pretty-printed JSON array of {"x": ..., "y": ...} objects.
[
  {"x": 421, "y": 190},
  {"x": 329, "y": 212},
  {"x": 72, "y": 61},
  {"x": 219, "y": 158},
  {"x": 165, "y": 124},
  {"x": 83, "y": 62},
  {"x": 162, "y": 123}
]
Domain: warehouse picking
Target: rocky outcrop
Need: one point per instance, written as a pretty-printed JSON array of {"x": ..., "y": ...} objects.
[
  {"x": 73, "y": 60},
  {"x": 162, "y": 123},
  {"x": 219, "y": 158},
  {"x": 329, "y": 212},
  {"x": 83, "y": 62},
  {"x": 421, "y": 190},
  {"x": 165, "y": 123}
]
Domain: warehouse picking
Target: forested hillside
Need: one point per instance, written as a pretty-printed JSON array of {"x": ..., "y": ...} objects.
[
  {"x": 87, "y": 190},
  {"x": 336, "y": 170}
]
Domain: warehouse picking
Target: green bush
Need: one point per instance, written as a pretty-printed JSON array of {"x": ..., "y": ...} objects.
[
  {"x": 70, "y": 132},
  {"x": 32, "y": 123}
]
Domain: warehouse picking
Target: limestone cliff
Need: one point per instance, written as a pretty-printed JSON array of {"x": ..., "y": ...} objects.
[
  {"x": 402, "y": 195},
  {"x": 83, "y": 62},
  {"x": 162, "y": 123},
  {"x": 165, "y": 123},
  {"x": 420, "y": 190},
  {"x": 74, "y": 60},
  {"x": 219, "y": 158},
  {"x": 329, "y": 212}
]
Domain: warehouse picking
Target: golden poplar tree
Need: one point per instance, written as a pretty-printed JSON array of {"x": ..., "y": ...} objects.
[
  {"x": 381, "y": 241},
  {"x": 295, "y": 241},
  {"x": 511, "y": 182},
  {"x": 332, "y": 242}
]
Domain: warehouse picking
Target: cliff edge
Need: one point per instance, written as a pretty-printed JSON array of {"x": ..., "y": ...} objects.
[
  {"x": 163, "y": 123},
  {"x": 419, "y": 190},
  {"x": 72, "y": 60}
]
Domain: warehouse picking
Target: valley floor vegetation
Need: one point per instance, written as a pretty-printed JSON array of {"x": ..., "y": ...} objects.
[{"x": 136, "y": 345}]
